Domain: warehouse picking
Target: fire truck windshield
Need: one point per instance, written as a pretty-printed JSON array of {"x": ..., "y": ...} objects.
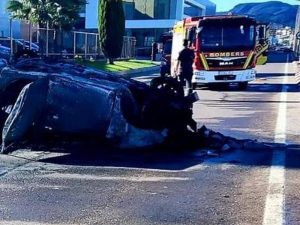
[{"x": 227, "y": 37}]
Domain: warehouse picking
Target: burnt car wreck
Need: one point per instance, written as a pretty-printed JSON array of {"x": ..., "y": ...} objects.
[{"x": 41, "y": 99}]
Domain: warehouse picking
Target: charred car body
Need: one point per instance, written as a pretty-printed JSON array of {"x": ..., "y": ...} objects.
[{"x": 41, "y": 99}]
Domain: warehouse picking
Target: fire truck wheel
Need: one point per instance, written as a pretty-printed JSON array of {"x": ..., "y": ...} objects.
[
  {"x": 243, "y": 85},
  {"x": 218, "y": 86},
  {"x": 223, "y": 85},
  {"x": 162, "y": 72},
  {"x": 169, "y": 85}
]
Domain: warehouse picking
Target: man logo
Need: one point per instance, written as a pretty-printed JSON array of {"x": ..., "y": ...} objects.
[
  {"x": 225, "y": 54},
  {"x": 226, "y": 63}
]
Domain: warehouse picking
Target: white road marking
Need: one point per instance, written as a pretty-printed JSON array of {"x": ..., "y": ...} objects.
[
  {"x": 274, "y": 213},
  {"x": 274, "y": 207}
]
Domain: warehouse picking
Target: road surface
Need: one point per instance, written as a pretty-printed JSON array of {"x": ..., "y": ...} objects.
[{"x": 163, "y": 187}]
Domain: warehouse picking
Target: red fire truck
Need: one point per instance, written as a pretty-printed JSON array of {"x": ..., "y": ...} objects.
[{"x": 227, "y": 48}]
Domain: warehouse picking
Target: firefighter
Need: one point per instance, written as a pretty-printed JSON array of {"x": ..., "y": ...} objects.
[{"x": 185, "y": 60}]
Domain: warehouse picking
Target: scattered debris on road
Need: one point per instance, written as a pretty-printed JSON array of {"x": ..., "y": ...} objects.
[{"x": 218, "y": 143}]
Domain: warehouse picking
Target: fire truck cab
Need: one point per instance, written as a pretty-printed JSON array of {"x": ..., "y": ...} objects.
[{"x": 225, "y": 48}]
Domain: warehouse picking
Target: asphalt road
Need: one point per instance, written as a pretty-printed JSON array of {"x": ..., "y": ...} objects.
[{"x": 166, "y": 187}]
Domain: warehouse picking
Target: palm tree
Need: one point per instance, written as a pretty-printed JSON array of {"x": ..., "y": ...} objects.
[
  {"x": 61, "y": 14},
  {"x": 58, "y": 13}
]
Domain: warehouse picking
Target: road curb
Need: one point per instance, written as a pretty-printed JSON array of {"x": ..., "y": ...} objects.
[
  {"x": 136, "y": 72},
  {"x": 297, "y": 74},
  {"x": 298, "y": 78}
]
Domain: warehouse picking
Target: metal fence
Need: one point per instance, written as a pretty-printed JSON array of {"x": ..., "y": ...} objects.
[{"x": 50, "y": 42}]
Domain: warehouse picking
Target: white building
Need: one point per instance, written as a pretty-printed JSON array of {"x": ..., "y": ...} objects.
[
  {"x": 147, "y": 20},
  {"x": 160, "y": 13}
]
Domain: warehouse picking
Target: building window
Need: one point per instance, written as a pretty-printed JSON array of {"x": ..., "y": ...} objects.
[
  {"x": 147, "y": 9},
  {"x": 129, "y": 9},
  {"x": 162, "y": 9}
]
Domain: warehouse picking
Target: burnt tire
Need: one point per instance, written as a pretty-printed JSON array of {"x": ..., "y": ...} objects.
[
  {"x": 224, "y": 86},
  {"x": 243, "y": 85},
  {"x": 25, "y": 53},
  {"x": 168, "y": 85},
  {"x": 163, "y": 72},
  {"x": 219, "y": 86}
]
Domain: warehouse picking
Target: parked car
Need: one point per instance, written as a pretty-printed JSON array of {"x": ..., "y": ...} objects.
[
  {"x": 21, "y": 49},
  {"x": 26, "y": 45},
  {"x": 19, "y": 44},
  {"x": 284, "y": 49}
]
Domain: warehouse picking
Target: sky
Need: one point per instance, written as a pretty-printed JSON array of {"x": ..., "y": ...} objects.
[{"x": 225, "y": 5}]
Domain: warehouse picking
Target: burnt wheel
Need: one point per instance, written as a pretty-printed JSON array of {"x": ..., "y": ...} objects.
[
  {"x": 169, "y": 85},
  {"x": 243, "y": 85},
  {"x": 25, "y": 53},
  {"x": 194, "y": 86}
]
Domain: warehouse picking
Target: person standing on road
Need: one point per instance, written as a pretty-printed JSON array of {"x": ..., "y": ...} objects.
[{"x": 185, "y": 60}]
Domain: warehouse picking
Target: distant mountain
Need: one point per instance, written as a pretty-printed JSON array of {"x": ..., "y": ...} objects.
[{"x": 270, "y": 12}]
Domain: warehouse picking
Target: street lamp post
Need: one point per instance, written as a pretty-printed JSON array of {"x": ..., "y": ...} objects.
[{"x": 297, "y": 30}]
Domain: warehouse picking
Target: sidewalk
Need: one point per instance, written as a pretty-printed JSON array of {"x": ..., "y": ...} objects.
[
  {"x": 139, "y": 72},
  {"x": 131, "y": 68}
]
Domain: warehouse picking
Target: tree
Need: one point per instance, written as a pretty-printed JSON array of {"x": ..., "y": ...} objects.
[
  {"x": 111, "y": 28},
  {"x": 59, "y": 14}
]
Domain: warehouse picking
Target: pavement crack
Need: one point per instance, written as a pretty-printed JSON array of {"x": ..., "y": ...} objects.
[{"x": 224, "y": 97}]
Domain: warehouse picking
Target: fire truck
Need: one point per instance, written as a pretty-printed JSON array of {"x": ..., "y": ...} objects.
[{"x": 227, "y": 48}]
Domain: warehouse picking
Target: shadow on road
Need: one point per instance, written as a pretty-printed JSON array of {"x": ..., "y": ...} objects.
[
  {"x": 163, "y": 158},
  {"x": 265, "y": 75},
  {"x": 249, "y": 101},
  {"x": 257, "y": 87},
  {"x": 151, "y": 158},
  {"x": 269, "y": 87},
  {"x": 281, "y": 57}
]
